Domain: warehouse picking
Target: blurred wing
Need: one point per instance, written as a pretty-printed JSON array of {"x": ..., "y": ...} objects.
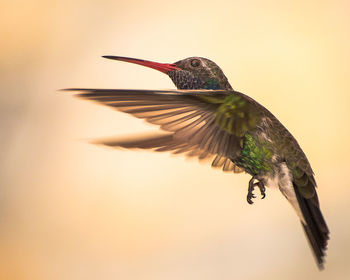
[
  {"x": 167, "y": 143},
  {"x": 207, "y": 121}
]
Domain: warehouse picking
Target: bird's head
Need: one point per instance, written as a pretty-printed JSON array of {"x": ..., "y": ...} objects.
[{"x": 189, "y": 73}]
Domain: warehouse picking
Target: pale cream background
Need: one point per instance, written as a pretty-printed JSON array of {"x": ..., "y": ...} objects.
[{"x": 71, "y": 210}]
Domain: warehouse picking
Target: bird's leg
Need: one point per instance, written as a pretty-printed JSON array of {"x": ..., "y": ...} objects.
[
  {"x": 250, "y": 194},
  {"x": 251, "y": 187}
]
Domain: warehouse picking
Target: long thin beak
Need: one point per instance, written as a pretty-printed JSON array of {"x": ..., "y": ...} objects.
[{"x": 162, "y": 67}]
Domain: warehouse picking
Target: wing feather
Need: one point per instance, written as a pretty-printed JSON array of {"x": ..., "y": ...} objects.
[
  {"x": 168, "y": 143},
  {"x": 204, "y": 123}
]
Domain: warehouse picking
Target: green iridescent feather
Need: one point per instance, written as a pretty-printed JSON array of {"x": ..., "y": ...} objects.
[
  {"x": 256, "y": 155},
  {"x": 234, "y": 114}
]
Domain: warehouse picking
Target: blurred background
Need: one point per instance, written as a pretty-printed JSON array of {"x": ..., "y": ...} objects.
[{"x": 72, "y": 210}]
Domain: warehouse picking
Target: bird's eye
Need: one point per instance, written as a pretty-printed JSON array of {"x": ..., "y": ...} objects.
[{"x": 195, "y": 62}]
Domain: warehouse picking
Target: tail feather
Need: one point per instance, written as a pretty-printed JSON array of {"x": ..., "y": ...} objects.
[{"x": 315, "y": 226}]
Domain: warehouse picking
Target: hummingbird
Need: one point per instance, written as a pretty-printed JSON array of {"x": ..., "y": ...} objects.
[{"x": 206, "y": 118}]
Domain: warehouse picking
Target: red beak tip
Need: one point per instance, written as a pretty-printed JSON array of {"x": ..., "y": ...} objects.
[{"x": 162, "y": 67}]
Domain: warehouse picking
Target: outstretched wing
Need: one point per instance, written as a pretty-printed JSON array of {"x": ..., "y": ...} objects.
[
  {"x": 167, "y": 143},
  {"x": 204, "y": 121}
]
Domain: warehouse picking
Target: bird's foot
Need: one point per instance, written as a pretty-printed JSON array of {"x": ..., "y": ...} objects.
[{"x": 251, "y": 187}]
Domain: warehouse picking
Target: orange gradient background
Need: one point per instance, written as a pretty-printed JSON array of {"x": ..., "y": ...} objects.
[{"x": 72, "y": 210}]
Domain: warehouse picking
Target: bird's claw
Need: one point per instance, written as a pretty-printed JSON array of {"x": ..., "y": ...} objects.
[
  {"x": 262, "y": 189},
  {"x": 251, "y": 187},
  {"x": 249, "y": 199}
]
